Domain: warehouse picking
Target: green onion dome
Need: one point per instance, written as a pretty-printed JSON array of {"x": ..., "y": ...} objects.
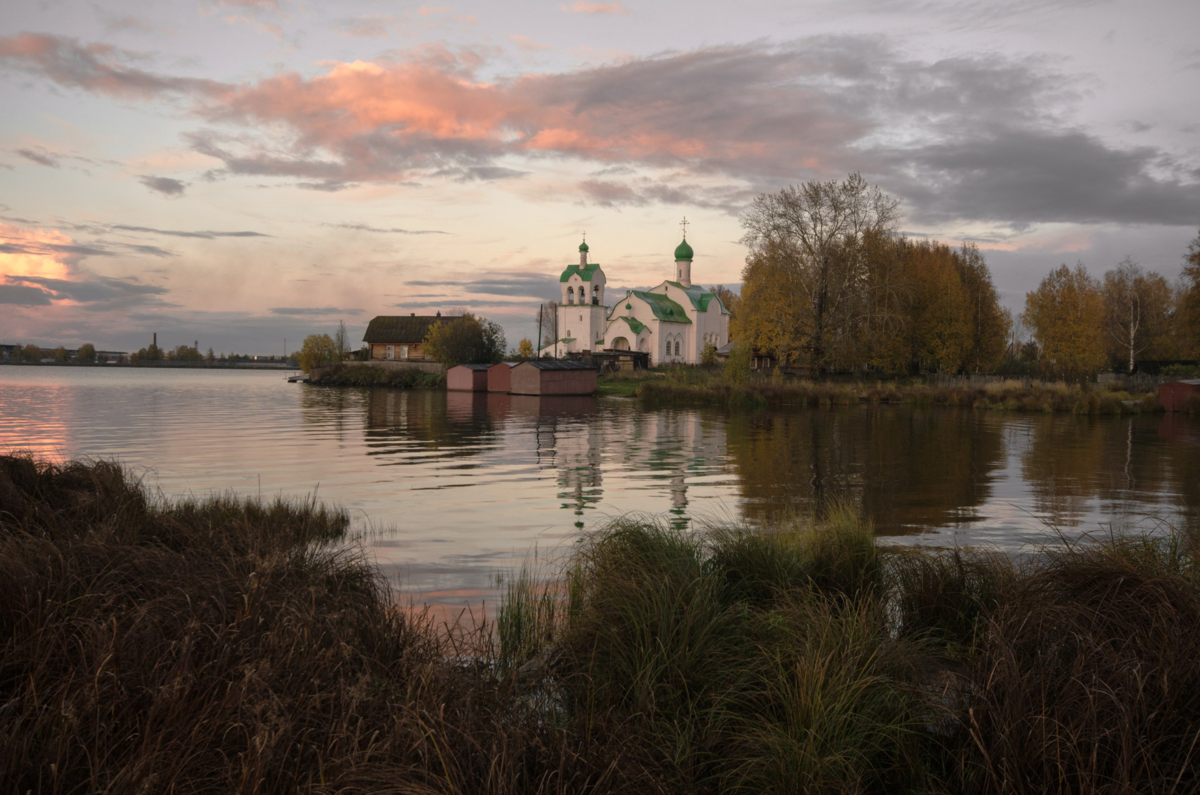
[
  {"x": 683, "y": 251},
  {"x": 583, "y": 247}
]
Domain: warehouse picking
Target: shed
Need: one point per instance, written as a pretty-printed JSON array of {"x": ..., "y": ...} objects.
[
  {"x": 553, "y": 377},
  {"x": 468, "y": 378},
  {"x": 499, "y": 377},
  {"x": 1177, "y": 394}
]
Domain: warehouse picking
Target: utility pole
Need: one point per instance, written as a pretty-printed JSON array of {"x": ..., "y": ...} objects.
[{"x": 537, "y": 353}]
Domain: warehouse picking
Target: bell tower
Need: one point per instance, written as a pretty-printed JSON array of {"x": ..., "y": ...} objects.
[{"x": 683, "y": 258}]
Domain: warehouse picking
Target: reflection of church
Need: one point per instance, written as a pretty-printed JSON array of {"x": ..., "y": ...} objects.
[{"x": 672, "y": 322}]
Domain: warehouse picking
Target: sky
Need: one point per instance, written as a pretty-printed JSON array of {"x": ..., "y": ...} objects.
[{"x": 243, "y": 173}]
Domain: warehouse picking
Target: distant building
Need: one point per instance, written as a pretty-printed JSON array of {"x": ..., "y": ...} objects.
[
  {"x": 671, "y": 322},
  {"x": 399, "y": 338}
]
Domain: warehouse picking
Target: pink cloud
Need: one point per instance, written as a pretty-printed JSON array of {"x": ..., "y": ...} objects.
[{"x": 591, "y": 7}]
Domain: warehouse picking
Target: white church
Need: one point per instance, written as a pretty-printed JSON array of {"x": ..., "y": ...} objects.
[{"x": 672, "y": 322}]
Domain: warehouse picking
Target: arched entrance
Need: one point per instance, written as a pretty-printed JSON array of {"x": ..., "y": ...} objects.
[{"x": 620, "y": 344}]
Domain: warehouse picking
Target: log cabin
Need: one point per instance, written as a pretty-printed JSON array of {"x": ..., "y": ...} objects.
[{"x": 399, "y": 338}]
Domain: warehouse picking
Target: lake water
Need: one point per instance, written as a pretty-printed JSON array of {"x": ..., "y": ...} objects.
[{"x": 453, "y": 489}]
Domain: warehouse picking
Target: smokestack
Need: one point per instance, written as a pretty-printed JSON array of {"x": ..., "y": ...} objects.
[{"x": 155, "y": 343}]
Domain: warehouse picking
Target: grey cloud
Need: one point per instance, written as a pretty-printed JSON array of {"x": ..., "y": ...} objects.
[
  {"x": 23, "y": 295},
  {"x": 42, "y": 158},
  {"x": 204, "y": 234},
  {"x": 952, "y": 136},
  {"x": 480, "y": 173},
  {"x": 95, "y": 67},
  {"x": 164, "y": 185},
  {"x": 1026, "y": 176},
  {"x": 153, "y": 251},
  {"x": 313, "y": 311},
  {"x": 46, "y": 248},
  {"x": 512, "y": 283},
  {"x": 325, "y": 186},
  {"x": 98, "y": 293},
  {"x": 387, "y": 230}
]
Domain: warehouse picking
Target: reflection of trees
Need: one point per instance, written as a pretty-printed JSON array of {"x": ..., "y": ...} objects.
[
  {"x": 326, "y": 410},
  {"x": 407, "y": 422},
  {"x": 905, "y": 468},
  {"x": 1182, "y": 435},
  {"x": 1071, "y": 460}
]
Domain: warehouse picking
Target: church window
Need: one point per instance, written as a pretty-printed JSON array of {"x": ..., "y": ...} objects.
[
  {"x": 676, "y": 347},
  {"x": 570, "y": 295}
]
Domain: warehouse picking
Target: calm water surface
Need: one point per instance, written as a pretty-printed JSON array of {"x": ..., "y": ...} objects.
[{"x": 452, "y": 489}]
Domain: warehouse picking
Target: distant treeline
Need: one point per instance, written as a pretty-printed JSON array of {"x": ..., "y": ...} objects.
[
  {"x": 151, "y": 354},
  {"x": 830, "y": 285}
]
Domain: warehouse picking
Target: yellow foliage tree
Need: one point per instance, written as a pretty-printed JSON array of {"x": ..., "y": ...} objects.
[
  {"x": 940, "y": 320},
  {"x": 771, "y": 317},
  {"x": 1189, "y": 300},
  {"x": 1066, "y": 314}
]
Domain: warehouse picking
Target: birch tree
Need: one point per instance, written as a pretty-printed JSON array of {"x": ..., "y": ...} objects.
[
  {"x": 1136, "y": 308},
  {"x": 816, "y": 231}
]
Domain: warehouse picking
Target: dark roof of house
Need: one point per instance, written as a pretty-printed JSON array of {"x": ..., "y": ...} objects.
[
  {"x": 559, "y": 364},
  {"x": 399, "y": 328},
  {"x": 510, "y": 364},
  {"x": 472, "y": 366}
]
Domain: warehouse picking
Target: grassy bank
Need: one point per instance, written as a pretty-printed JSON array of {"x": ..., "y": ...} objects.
[
  {"x": 228, "y": 646},
  {"x": 366, "y": 375},
  {"x": 699, "y": 387}
]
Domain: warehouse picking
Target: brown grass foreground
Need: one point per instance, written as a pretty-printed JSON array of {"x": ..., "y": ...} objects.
[{"x": 226, "y": 646}]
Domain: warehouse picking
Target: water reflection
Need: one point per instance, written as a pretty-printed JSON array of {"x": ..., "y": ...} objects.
[
  {"x": 456, "y": 486},
  {"x": 909, "y": 469}
]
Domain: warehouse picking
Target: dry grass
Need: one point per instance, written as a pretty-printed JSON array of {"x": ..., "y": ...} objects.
[
  {"x": 698, "y": 387},
  {"x": 231, "y": 646}
]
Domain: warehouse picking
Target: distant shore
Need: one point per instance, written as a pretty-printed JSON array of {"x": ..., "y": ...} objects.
[{"x": 162, "y": 365}]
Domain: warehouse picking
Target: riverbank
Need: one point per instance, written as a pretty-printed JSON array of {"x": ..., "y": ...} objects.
[
  {"x": 236, "y": 645},
  {"x": 368, "y": 375},
  {"x": 700, "y": 388}
]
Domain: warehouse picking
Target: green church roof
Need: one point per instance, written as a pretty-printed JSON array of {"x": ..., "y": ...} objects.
[
  {"x": 700, "y": 297},
  {"x": 683, "y": 251},
  {"x": 634, "y": 324},
  {"x": 664, "y": 308},
  {"x": 585, "y": 273}
]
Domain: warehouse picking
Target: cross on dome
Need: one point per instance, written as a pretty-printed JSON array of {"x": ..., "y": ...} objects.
[{"x": 684, "y": 225}]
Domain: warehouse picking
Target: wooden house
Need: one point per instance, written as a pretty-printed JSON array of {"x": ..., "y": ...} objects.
[
  {"x": 468, "y": 378},
  {"x": 399, "y": 338},
  {"x": 553, "y": 377}
]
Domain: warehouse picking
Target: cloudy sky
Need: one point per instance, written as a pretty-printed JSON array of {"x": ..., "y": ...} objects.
[{"x": 239, "y": 172}]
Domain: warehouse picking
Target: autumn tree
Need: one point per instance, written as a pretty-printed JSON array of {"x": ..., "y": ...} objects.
[
  {"x": 989, "y": 322},
  {"x": 1066, "y": 315},
  {"x": 525, "y": 349},
  {"x": 815, "y": 232},
  {"x": 771, "y": 318},
  {"x": 317, "y": 350},
  {"x": 465, "y": 340},
  {"x": 1137, "y": 311},
  {"x": 86, "y": 353},
  {"x": 939, "y": 324},
  {"x": 341, "y": 342},
  {"x": 31, "y": 353},
  {"x": 1189, "y": 299}
]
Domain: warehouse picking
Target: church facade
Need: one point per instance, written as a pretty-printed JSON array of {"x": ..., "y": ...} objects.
[{"x": 672, "y": 321}]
